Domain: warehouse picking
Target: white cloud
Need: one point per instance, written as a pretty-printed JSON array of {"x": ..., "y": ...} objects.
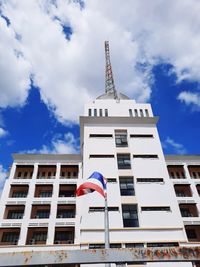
[
  {"x": 176, "y": 147},
  {"x": 3, "y": 132},
  {"x": 3, "y": 175},
  {"x": 66, "y": 145},
  {"x": 189, "y": 98},
  {"x": 71, "y": 72}
]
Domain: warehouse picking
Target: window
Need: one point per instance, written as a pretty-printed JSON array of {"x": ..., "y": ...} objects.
[
  {"x": 11, "y": 237},
  {"x": 15, "y": 214},
  {"x": 66, "y": 214},
  {"x": 19, "y": 194},
  {"x": 100, "y": 112},
  {"x": 191, "y": 233},
  {"x": 19, "y": 174},
  {"x": 102, "y": 209},
  {"x": 40, "y": 236},
  {"x": 130, "y": 113},
  {"x": 185, "y": 212},
  {"x": 101, "y": 156},
  {"x": 89, "y": 112},
  {"x": 42, "y": 214},
  {"x": 134, "y": 245},
  {"x": 136, "y": 112},
  {"x": 121, "y": 139},
  {"x": 123, "y": 161},
  {"x": 25, "y": 174},
  {"x": 141, "y": 135},
  {"x": 95, "y": 112},
  {"x": 150, "y": 180},
  {"x": 106, "y": 113},
  {"x": 45, "y": 194},
  {"x": 180, "y": 193},
  {"x": 96, "y": 246},
  {"x": 111, "y": 180},
  {"x": 141, "y": 113},
  {"x": 174, "y": 244},
  {"x": 146, "y": 112},
  {"x": 155, "y": 209},
  {"x": 146, "y": 156},
  {"x": 126, "y": 186},
  {"x": 63, "y": 236},
  {"x": 101, "y": 135},
  {"x": 130, "y": 216}
]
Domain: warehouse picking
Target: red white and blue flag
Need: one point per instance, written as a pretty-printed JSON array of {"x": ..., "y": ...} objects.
[{"x": 96, "y": 182}]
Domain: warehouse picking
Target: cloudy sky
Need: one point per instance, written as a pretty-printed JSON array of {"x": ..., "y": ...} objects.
[{"x": 52, "y": 62}]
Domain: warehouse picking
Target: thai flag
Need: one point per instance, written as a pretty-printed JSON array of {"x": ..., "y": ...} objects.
[{"x": 96, "y": 182}]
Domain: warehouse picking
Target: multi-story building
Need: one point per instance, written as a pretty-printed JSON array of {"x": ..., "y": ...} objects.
[{"x": 153, "y": 199}]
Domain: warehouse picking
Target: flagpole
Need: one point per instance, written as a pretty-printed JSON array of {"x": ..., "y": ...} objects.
[{"x": 106, "y": 222}]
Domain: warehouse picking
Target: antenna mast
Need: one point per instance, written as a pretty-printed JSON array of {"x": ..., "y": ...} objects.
[{"x": 109, "y": 83}]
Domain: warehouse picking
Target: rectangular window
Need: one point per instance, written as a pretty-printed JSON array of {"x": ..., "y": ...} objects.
[
  {"x": 66, "y": 214},
  {"x": 19, "y": 174},
  {"x": 102, "y": 209},
  {"x": 155, "y": 208},
  {"x": 101, "y": 135},
  {"x": 100, "y": 112},
  {"x": 121, "y": 139},
  {"x": 19, "y": 194},
  {"x": 89, "y": 112},
  {"x": 25, "y": 175},
  {"x": 130, "y": 216},
  {"x": 101, "y": 156},
  {"x": 123, "y": 161},
  {"x": 95, "y": 112},
  {"x": 185, "y": 212},
  {"x": 146, "y": 156},
  {"x": 42, "y": 214},
  {"x": 150, "y": 180},
  {"x": 39, "y": 236},
  {"x": 146, "y": 112},
  {"x": 16, "y": 214},
  {"x": 96, "y": 246},
  {"x": 191, "y": 233},
  {"x": 141, "y": 113},
  {"x": 45, "y": 194},
  {"x": 130, "y": 113},
  {"x": 141, "y": 135},
  {"x": 106, "y": 113},
  {"x": 111, "y": 180},
  {"x": 11, "y": 237},
  {"x": 134, "y": 245},
  {"x": 136, "y": 112},
  {"x": 174, "y": 244},
  {"x": 126, "y": 186}
]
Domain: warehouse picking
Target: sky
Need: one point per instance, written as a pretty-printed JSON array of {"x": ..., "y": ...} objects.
[{"x": 52, "y": 63}]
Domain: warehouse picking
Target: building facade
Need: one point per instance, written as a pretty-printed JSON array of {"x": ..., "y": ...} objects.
[{"x": 153, "y": 199}]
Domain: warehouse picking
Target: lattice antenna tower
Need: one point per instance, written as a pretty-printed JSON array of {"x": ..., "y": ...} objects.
[{"x": 109, "y": 83}]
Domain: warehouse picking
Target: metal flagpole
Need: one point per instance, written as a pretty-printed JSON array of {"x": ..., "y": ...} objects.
[{"x": 106, "y": 221}]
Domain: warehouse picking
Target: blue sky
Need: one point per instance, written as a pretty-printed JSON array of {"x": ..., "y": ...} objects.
[{"x": 53, "y": 63}]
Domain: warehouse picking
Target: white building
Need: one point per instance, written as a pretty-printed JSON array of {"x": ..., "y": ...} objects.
[{"x": 153, "y": 199}]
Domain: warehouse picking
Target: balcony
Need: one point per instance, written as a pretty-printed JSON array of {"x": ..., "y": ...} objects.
[
  {"x": 64, "y": 235},
  {"x": 182, "y": 190},
  {"x": 176, "y": 171},
  {"x": 69, "y": 172},
  {"x": 18, "y": 191},
  {"x": 14, "y": 212},
  {"x": 43, "y": 190},
  {"x": 23, "y": 172},
  {"x": 40, "y": 212},
  {"x": 9, "y": 236},
  {"x": 66, "y": 211},
  {"x": 36, "y": 236},
  {"x": 188, "y": 210},
  {"x": 67, "y": 190},
  {"x": 193, "y": 233},
  {"x": 46, "y": 172},
  {"x": 194, "y": 171}
]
